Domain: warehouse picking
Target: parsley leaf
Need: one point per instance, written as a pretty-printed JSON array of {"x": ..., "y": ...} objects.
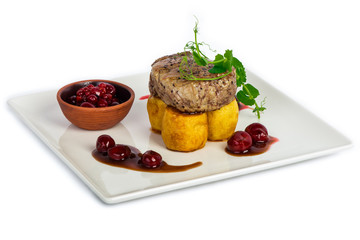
[
  {"x": 217, "y": 69},
  {"x": 198, "y": 59},
  {"x": 240, "y": 71},
  {"x": 253, "y": 91},
  {"x": 243, "y": 97}
]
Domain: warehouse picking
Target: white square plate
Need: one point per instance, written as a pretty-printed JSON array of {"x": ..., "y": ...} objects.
[{"x": 301, "y": 136}]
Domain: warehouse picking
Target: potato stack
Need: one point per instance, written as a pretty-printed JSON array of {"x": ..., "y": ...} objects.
[{"x": 187, "y": 132}]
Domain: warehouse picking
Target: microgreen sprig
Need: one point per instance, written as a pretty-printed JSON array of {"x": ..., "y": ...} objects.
[{"x": 222, "y": 65}]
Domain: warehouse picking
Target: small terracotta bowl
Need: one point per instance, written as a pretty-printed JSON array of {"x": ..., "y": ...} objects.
[{"x": 98, "y": 118}]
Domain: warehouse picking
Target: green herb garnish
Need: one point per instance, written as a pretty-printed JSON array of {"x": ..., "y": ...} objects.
[{"x": 222, "y": 65}]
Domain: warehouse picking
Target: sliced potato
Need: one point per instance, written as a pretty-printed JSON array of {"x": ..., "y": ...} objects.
[
  {"x": 184, "y": 132},
  {"x": 155, "y": 108},
  {"x": 222, "y": 122}
]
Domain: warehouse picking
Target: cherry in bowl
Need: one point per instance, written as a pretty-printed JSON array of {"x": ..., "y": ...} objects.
[{"x": 105, "y": 114}]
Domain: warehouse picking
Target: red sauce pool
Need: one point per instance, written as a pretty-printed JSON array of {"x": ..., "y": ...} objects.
[{"x": 243, "y": 106}]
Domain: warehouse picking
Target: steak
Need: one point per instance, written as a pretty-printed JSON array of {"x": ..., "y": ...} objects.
[{"x": 190, "y": 96}]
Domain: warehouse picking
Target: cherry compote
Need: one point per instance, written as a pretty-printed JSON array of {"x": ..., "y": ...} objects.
[
  {"x": 87, "y": 104},
  {"x": 103, "y": 143},
  {"x": 106, "y": 145},
  {"x": 102, "y": 95},
  {"x": 258, "y": 132},
  {"x": 151, "y": 159},
  {"x": 92, "y": 98},
  {"x": 119, "y": 152},
  {"x": 239, "y": 142}
]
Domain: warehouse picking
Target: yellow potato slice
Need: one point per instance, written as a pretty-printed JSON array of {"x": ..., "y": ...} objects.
[
  {"x": 155, "y": 108},
  {"x": 222, "y": 122},
  {"x": 184, "y": 132}
]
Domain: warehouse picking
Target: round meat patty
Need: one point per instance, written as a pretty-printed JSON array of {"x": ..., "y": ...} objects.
[{"x": 188, "y": 95}]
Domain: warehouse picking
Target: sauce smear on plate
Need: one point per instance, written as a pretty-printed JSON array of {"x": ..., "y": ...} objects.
[{"x": 134, "y": 163}]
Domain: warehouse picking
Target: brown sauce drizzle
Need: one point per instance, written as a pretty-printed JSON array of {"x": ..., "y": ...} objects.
[
  {"x": 132, "y": 163},
  {"x": 255, "y": 149}
]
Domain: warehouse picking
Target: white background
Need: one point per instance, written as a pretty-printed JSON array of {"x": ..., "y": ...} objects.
[{"x": 307, "y": 49}]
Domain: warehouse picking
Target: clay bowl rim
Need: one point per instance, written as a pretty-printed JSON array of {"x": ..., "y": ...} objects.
[{"x": 96, "y": 109}]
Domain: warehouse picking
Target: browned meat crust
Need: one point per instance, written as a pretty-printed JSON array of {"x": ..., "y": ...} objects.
[{"x": 188, "y": 95}]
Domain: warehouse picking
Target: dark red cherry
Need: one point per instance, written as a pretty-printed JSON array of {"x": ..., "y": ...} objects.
[
  {"x": 93, "y": 99},
  {"x": 239, "y": 142},
  {"x": 72, "y": 100},
  {"x": 107, "y": 97},
  {"x": 90, "y": 86},
  {"x": 102, "y": 103},
  {"x": 102, "y": 95},
  {"x": 258, "y": 132},
  {"x": 115, "y": 99},
  {"x": 97, "y": 91},
  {"x": 79, "y": 100},
  {"x": 87, "y": 104},
  {"x": 119, "y": 152},
  {"x": 102, "y": 85},
  {"x": 86, "y": 91},
  {"x": 110, "y": 89},
  {"x": 104, "y": 142},
  {"x": 114, "y": 103},
  {"x": 151, "y": 159},
  {"x": 80, "y": 92}
]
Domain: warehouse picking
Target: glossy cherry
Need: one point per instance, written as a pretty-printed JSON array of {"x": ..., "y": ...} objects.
[
  {"x": 119, "y": 152},
  {"x": 110, "y": 89},
  {"x": 93, "y": 99},
  {"x": 72, "y": 100},
  {"x": 107, "y": 97},
  {"x": 103, "y": 143},
  {"x": 239, "y": 142},
  {"x": 101, "y": 95},
  {"x": 151, "y": 159},
  {"x": 87, "y": 104},
  {"x": 102, "y": 103},
  {"x": 102, "y": 85},
  {"x": 258, "y": 132}
]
